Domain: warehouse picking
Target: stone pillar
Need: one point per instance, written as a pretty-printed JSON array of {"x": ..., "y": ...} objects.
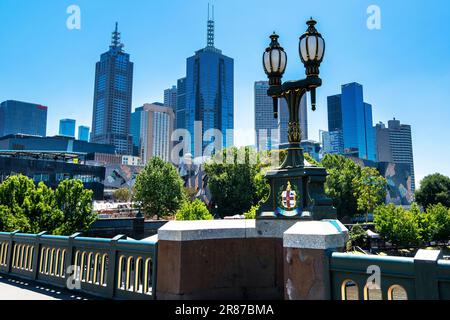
[
  {"x": 221, "y": 259},
  {"x": 307, "y": 249}
]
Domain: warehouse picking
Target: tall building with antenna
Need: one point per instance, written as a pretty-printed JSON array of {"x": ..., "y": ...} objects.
[
  {"x": 113, "y": 98},
  {"x": 208, "y": 96}
]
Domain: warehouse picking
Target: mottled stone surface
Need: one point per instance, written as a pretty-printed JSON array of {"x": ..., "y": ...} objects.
[
  {"x": 305, "y": 274},
  {"x": 223, "y": 229},
  {"x": 326, "y": 234},
  {"x": 204, "y": 230}
]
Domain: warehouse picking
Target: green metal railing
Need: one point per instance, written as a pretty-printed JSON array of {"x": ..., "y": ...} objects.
[
  {"x": 109, "y": 268},
  {"x": 399, "y": 278}
]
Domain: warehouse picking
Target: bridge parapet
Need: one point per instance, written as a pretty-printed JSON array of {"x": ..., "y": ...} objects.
[{"x": 108, "y": 268}]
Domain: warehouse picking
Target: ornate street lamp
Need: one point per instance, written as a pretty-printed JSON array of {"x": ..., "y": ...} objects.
[{"x": 297, "y": 191}]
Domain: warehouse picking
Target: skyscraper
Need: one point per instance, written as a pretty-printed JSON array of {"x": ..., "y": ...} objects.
[
  {"x": 266, "y": 126},
  {"x": 351, "y": 117},
  {"x": 83, "y": 133},
  {"x": 180, "y": 114},
  {"x": 394, "y": 144},
  {"x": 157, "y": 122},
  {"x": 170, "y": 98},
  {"x": 67, "y": 127},
  {"x": 136, "y": 129},
  {"x": 112, "y": 98},
  {"x": 22, "y": 117},
  {"x": 332, "y": 142},
  {"x": 209, "y": 96}
]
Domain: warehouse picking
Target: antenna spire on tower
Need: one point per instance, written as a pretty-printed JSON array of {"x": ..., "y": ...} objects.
[
  {"x": 115, "y": 41},
  {"x": 210, "y": 33}
]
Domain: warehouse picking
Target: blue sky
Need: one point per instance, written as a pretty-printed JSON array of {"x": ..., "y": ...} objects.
[{"x": 404, "y": 67}]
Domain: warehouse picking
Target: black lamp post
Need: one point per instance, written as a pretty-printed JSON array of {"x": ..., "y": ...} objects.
[{"x": 297, "y": 191}]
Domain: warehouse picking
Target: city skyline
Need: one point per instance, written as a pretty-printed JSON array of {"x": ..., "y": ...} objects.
[{"x": 371, "y": 59}]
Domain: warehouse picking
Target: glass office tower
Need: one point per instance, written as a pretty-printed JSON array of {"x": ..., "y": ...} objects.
[
  {"x": 351, "y": 117},
  {"x": 209, "y": 99},
  {"x": 170, "y": 98},
  {"x": 67, "y": 127},
  {"x": 83, "y": 133},
  {"x": 266, "y": 125},
  {"x": 136, "y": 130},
  {"x": 180, "y": 114},
  {"x": 22, "y": 117},
  {"x": 112, "y": 98}
]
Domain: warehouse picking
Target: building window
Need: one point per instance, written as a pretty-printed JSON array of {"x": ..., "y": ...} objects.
[{"x": 41, "y": 177}]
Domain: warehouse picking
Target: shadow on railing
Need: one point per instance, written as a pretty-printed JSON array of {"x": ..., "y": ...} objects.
[
  {"x": 108, "y": 268},
  {"x": 368, "y": 277}
]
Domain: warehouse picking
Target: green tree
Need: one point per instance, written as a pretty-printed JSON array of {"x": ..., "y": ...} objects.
[
  {"x": 15, "y": 192},
  {"x": 358, "y": 236},
  {"x": 30, "y": 208},
  {"x": 122, "y": 195},
  {"x": 15, "y": 199},
  {"x": 191, "y": 193},
  {"x": 195, "y": 210},
  {"x": 339, "y": 185},
  {"x": 397, "y": 225},
  {"x": 369, "y": 189},
  {"x": 425, "y": 222},
  {"x": 440, "y": 217},
  {"x": 10, "y": 221},
  {"x": 434, "y": 189},
  {"x": 43, "y": 212},
  {"x": 236, "y": 180},
  {"x": 76, "y": 204},
  {"x": 159, "y": 188}
]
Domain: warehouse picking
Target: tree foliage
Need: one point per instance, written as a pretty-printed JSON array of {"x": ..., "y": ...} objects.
[
  {"x": 195, "y": 210},
  {"x": 440, "y": 219},
  {"x": 251, "y": 214},
  {"x": 159, "y": 188},
  {"x": 397, "y": 225},
  {"x": 340, "y": 186},
  {"x": 34, "y": 208},
  {"x": 434, "y": 189},
  {"x": 236, "y": 180},
  {"x": 412, "y": 227},
  {"x": 122, "y": 195},
  {"x": 76, "y": 203},
  {"x": 369, "y": 189}
]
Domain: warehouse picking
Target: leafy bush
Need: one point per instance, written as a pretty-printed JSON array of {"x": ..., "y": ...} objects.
[
  {"x": 122, "y": 195},
  {"x": 440, "y": 217},
  {"x": 195, "y": 210},
  {"x": 357, "y": 235},
  {"x": 251, "y": 214},
  {"x": 397, "y": 225}
]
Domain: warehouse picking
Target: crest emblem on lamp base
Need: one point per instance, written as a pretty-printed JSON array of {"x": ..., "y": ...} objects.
[{"x": 288, "y": 201}]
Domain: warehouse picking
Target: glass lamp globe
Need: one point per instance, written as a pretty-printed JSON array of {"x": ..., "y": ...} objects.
[
  {"x": 312, "y": 49},
  {"x": 274, "y": 61}
]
